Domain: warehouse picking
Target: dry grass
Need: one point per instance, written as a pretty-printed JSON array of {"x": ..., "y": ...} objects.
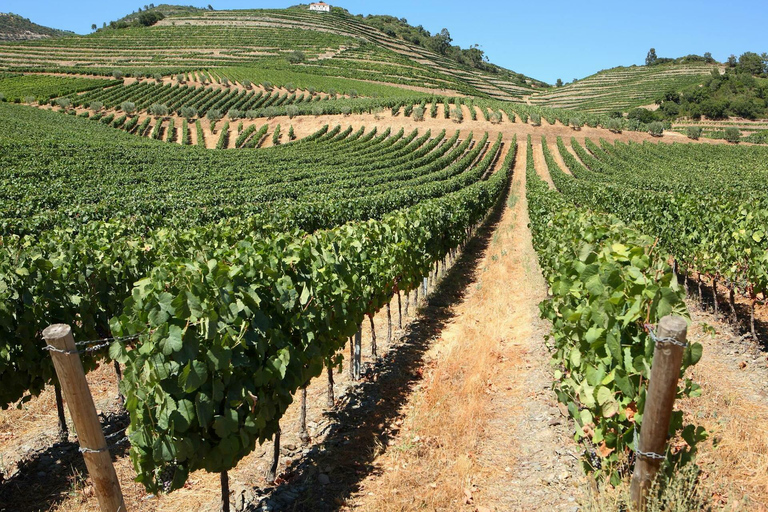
[
  {"x": 734, "y": 460},
  {"x": 433, "y": 460}
]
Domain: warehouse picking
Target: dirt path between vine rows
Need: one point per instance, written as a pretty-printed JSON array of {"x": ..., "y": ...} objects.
[{"x": 483, "y": 431}]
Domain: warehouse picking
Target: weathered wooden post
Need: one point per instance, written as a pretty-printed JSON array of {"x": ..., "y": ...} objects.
[
  {"x": 93, "y": 445},
  {"x": 659, "y": 401},
  {"x": 357, "y": 362},
  {"x": 303, "y": 434},
  {"x": 331, "y": 399},
  {"x": 224, "y": 492}
]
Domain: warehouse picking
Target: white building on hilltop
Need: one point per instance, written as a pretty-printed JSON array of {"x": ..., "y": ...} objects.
[{"x": 320, "y": 7}]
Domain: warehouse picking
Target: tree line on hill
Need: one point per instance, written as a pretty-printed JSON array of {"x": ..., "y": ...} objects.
[
  {"x": 440, "y": 43},
  {"x": 741, "y": 90}
]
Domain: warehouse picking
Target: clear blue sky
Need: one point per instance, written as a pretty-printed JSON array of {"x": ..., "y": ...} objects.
[{"x": 545, "y": 40}]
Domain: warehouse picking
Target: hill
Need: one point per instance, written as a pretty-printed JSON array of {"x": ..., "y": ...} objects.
[
  {"x": 16, "y": 28},
  {"x": 335, "y": 44},
  {"x": 622, "y": 88}
]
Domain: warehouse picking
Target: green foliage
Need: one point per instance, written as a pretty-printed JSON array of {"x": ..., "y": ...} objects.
[
  {"x": 732, "y": 134},
  {"x": 614, "y": 125},
  {"x": 223, "y": 141},
  {"x": 43, "y": 88},
  {"x": 188, "y": 112},
  {"x": 606, "y": 281},
  {"x": 656, "y": 129},
  {"x": 158, "y": 110},
  {"x": 276, "y": 136},
  {"x": 693, "y": 132}
]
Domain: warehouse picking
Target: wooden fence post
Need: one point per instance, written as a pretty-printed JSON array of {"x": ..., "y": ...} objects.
[
  {"x": 659, "y": 401},
  {"x": 70, "y": 372}
]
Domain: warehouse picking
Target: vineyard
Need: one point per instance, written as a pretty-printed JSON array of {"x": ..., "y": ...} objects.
[
  {"x": 308, "y": 263},
  {"x": 623, "y": 88},
  {"x": 336, "y": 46}
]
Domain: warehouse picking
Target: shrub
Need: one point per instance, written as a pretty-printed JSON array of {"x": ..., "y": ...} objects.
[
  {"x": 188, "y": 112},
  {"x": 457, "y": 115},
  {"x": 158, "y": 110},
  {"x": 656, "y": 129},
  {"x": 346, "y": 110},
  {"x": 614, "y": 125},
  {"x": 128, "y": 107},
  {"x": 267, "y": 85},
  {"x": 271, "y": 112},
  {"x": 296, "y": 57},
  {"x": 180, "y": 78},
  {"x": 732, "y": 134},
  {"x": 332, "y": 93},
  {"x": 246, "y": 84},
  {"x": 158, "y": 77},
  {"x": 213, "y": 115},
  {"x": 312, "y": 90},
  {"x": 317, "y": 110},
  {"x": 117, "y": 74},
  {"x": 353, "y": 93},
  {"x": 28, "y": 99},
  {"x": 290, "y": 87},
  {"x": 418, "y": 114},
  {"x": 576, "y": 123},
  {"x": 495, "y": 117},
  {"x": 693, "y": 132},
  {"x": 292, "y": 111},
  {"x": 234, "y": 113},
  {"x": 251, "y": 114},
  {"x": 536, "y": 119},
  {"x": 64, "y": 103},
  {"x": 2, "y": 97}
]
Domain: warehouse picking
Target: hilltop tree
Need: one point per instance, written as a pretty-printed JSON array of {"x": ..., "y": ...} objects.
[
  {"x": 441, "y": 42},
  {"x": 651, "y": 58},
  {"x": 559, "y": 82},
  {"x": 732, "y": 61},
  {"x": 94, "y": 27},
  {"x": 751, "y": 63}
]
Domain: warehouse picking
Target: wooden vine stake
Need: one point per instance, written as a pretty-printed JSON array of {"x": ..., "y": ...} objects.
[
  {"x": 659, "y": 401},
  {"x": 224, "y": 491},
  {"x": 70, "y": 372},
  {"x": 357, "y": 362}
]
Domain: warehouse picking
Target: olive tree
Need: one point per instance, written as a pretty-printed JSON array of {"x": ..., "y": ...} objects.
[
  {"x": 457, "y": 115},
  {"x": 732, "y": 134},
  {"x": 188, "y": 112},
  {"x": 656, "y": 129},
  {"x": 693, "y": 132},
  {"x": 158, "y": 110},
  {"x": 128, "y": 107}
]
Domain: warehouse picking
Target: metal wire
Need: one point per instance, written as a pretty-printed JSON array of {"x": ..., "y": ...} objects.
[
  {"x": 92, "y": 345},
  {"x": 666, "y": 340}
]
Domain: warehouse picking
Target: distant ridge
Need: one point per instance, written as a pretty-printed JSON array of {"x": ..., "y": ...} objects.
[{"x": 17, "y": 28}]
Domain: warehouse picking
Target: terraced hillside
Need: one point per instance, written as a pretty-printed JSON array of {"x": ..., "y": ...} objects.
[
  {"x": 335, "y": 44},
  {"x": 623, "y": 88}
]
